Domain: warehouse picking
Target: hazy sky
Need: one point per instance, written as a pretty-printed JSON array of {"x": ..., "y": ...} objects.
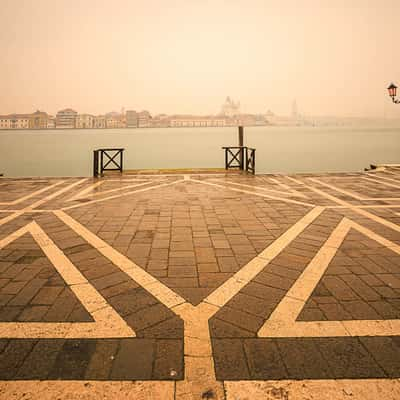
[{"x": 333, "y": 56}]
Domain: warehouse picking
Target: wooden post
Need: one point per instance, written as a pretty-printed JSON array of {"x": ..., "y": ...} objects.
[
  {"x": 241, "y": 145},
  {"x": 95, "y": 163}
]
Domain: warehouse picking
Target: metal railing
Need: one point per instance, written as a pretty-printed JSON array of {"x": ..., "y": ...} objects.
[
  {"x": 240, "y": 157},
  {"x": 108, "y": 157}
]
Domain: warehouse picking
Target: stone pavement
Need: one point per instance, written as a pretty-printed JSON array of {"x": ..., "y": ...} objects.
[{"x": 201, "y": 286}]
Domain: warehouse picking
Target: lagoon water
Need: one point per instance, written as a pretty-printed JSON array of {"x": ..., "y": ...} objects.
[{"x": 279, "y": 149}]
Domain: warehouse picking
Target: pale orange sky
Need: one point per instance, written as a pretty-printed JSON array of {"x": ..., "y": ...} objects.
[{"x": 173, "y": 56}]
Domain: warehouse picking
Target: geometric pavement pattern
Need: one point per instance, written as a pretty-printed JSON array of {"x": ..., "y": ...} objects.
[{"x": 201, "y": 286}]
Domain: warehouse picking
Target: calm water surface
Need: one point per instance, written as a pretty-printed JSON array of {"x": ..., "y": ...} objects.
[{"x": 279, "y": 149}]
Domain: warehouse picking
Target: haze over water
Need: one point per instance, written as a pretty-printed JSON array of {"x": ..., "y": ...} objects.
[
  {"x": 335, "y": 57},
  {"x": 279, "y": 149}
]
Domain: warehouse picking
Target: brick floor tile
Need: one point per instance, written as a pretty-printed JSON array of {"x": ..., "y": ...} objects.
[
  {"x": 132, "y": 301},
  {"x": 348, "y": 358},
  {"x": 168, "y": 363},
  {"x": 240, "y": 318},
  {"x": 273, "y": 280},
  {"x": 268, "y": 293},
  {"x": 28, "y": 292},
  {"x": 302, "y": 358},
  {"x": 228, "y": 264},
  {"x": 110, "y": 280},
  {"x": 182, "y": 271},
  {"x": 99, "y": 367},
  {"x": 47, "y": 295},
  {"x": 41, "y": 360},
  {"x": 73, "y": 359},
  {"x": 339, "y": 288},
  {"x": 230, "y": 360},
  {"x": 360, "y": 310},
  {"x": 13, "y": 287},
  {"x": 61, "y": 308},
  {"x": 224, "y": 329},
  {"x": 134, "y": 359},
  {"x": 171, "y": 328},
  {"x": 205, "y": 255},
  {"x": 385, "y": 309},
  {"x": 209, "y": 279},
  {"x": 264, "y": 359},
  {"x": 13, "y": 357},
  {"x": 391, "y": 280},
  {"x": 385, "y": 352}
]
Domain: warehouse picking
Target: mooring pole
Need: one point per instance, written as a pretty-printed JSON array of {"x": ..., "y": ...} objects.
[{"x": 241, "y": 146}]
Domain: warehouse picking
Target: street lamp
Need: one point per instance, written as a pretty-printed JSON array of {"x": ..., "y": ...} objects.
[{"x": 392, "y": 93}]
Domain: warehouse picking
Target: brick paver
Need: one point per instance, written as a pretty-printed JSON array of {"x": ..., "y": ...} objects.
[{"x": 171, "y": 254}]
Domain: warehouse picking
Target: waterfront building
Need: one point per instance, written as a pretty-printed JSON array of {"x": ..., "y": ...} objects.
[
  {"x": 84, "y": 121},
  {"x": 196, "y": 121},
  {"x": 230, "y": 108},
  {"x": 131, "y": 119},
  {"x": 5, "y": 122},
  {"x": 65, "y": 119},
  {"x": 260, "y": 120},
  {"x": 99, "y": 122},
  {"x": 144, "y": 119},
  {"x": 39, "y": 120},
  {"x": 51, "y": 122},
  {"x": 115, "y": 120},
  {"x": 160, "y": 121},
  {"x": 15, "y": 121}
]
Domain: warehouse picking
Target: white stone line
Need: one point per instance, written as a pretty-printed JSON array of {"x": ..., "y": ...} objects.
[
  {"x": 314, "y": 389},
  {"x": 358, "y": 210},
  {"x": 30, "y": 211},
  {"x": 40, "y": 202},
  {"x": 120, "y": 195},
  {"x": 288, "y": 188},
  {"x": 220, "y": 296},
  {"x": 108, "y": 323},
  {"x": 352, "y": 194},
  {"x": 164, "y": 294},
  {"x": 226, "y": 187},
  {"x": 199, "y": 363},
  {"x": 295, "y": 180},
  {"x": 97, "y": 194},
  {"x": 388, "y": 179},
  {"x": 123, "y": 180},
  {"x": 282, "y": 322},
  {"x": 391, "y": 172},
  {"x": 294, "y": 300},
  {"x": 16, "y": 179},
  {"x": 383, "y": 182},
  {"x": 367, "y": 206},
  {"x": 335, "y": 188},
  {"x": 86, "y": 190},
  {"x": 311, "y": 389},
  {"x": 84, "y": 390},
  {"x": 56, "y": 194},
  {"x": 277, "y": 192},
  {"x": 28, "y": 196}
]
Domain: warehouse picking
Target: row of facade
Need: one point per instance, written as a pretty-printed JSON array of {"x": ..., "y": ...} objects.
[
  {"x": 70, "y": 119},
  {"x": 36, "y": 120}
]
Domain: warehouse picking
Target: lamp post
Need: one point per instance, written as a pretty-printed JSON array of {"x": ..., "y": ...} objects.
[{"x": 392, "y": 93}]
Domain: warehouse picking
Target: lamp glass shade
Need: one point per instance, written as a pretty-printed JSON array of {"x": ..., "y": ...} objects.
[{"x": 392, "y": 90}]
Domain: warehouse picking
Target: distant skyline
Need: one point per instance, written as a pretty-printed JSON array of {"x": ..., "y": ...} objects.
[{"x": 335, "y": 57}]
